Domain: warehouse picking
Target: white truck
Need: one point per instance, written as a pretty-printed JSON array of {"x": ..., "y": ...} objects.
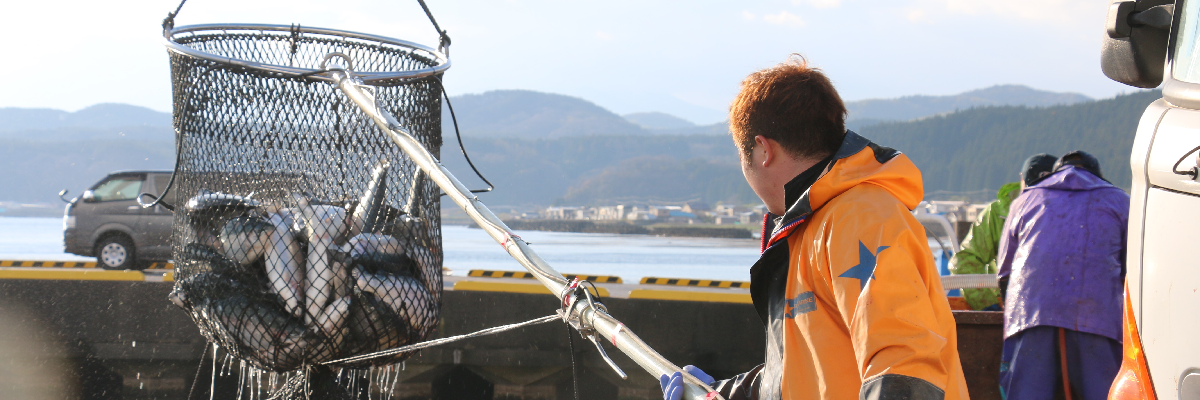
[{"x": 1149, "y": 43}]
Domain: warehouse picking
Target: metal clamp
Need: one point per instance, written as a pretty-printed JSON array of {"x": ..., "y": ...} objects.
[{"x": 585, "y": 327}]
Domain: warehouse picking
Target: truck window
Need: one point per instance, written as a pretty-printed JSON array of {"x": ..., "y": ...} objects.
[
  {"x": 1187, "y": 60},
  {"x": 120, "y": 188}
]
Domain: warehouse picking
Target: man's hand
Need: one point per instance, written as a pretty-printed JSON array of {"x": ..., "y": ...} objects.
[
  {"x": 672, "y": 386},
  {"x": 696, "y": 372}
]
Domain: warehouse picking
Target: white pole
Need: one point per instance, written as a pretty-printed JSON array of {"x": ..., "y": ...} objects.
[{"x": 607, "y": 327}]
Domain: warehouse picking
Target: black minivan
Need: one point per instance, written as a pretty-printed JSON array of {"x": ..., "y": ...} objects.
[{"x": 108, "y": 223}]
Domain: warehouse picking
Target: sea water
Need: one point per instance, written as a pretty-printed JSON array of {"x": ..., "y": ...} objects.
[{"x": 630, "y": 257}]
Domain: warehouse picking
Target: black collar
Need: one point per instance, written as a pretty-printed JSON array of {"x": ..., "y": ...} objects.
[{"x": 800, "y": 184}]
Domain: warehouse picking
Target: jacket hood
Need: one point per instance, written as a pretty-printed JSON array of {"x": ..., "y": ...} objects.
[
  {"x": 857, "y": 162},
  {"x": 1008, "y": 192},
  {"x": 1072, "y": 178}
]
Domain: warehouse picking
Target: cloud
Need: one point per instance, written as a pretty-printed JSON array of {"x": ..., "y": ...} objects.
[
  {"x": 1061, "y": 12},
  {"x": 819, "y": 3},
  {"x": 784, "y": 18},
  {"x": 602, "y": 35},
  {"x": 917, "y": 15},
  {"x": 746, "y": 15}
]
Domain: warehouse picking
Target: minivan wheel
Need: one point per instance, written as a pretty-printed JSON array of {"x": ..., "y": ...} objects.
[{"x": 116, "y": 252}]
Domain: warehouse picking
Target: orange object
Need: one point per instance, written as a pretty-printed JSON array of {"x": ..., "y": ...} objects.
[
  {"x": 864, "y": 298},
  {"x": 958, "y": 303},
  {"x": 1062, "y": 357},
  {"x": 1133, "y": 379}
]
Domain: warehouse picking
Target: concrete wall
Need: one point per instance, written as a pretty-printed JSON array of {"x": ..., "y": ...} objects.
[{"x": 112, "y": 340}]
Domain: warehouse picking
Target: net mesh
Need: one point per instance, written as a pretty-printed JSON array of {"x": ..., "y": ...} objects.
[{"x": 302, "y": 234}]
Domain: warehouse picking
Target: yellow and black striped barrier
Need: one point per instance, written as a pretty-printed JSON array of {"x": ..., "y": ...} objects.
[
  {"x": 49, "y": 264},
  {"x": 70, "y": 264},
  {"x": 480, "y": 273},
  {"x": 695, "y": 282}
]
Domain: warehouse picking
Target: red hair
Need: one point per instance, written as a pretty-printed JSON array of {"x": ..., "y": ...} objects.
[{"x": 793, "y": 104}]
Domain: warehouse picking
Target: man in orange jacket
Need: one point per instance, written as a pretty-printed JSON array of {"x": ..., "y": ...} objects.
[{"x": 846, "y": 284}]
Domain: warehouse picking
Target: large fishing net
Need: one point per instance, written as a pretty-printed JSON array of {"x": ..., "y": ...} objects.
[{"x": 302, "y": 234}]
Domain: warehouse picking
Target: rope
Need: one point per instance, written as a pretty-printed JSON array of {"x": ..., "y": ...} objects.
[
  {"x": 169, "y": 22},
  {"x": 444, "y": 39},
  {"x": 442, "y": 341}
]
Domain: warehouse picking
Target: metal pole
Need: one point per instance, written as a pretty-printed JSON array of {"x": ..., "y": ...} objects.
[{"x": 605, "y": 325}]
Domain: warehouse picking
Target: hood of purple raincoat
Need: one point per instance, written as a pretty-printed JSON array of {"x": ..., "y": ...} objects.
[{"x": 1072, "y": 178}]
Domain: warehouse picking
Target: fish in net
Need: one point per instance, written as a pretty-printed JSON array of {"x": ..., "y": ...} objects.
[{"x": 302, "y": 234}]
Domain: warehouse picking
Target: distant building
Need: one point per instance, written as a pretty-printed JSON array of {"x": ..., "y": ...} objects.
[
  {"x": 729, "y": 210},
  {"x": 614, "y": 213},
  {"x": 750, "y": 217},
  {"x": 727, "y": 220},
  {"x": 639, "y": 215},
  {"x": 566, "y": 213},
  {"x": 696, "y": 207}
]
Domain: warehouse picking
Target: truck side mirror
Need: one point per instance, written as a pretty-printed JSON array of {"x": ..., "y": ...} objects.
[
  {"x": 1135, "y": 44},
  {"x": 89, "y": 197}
]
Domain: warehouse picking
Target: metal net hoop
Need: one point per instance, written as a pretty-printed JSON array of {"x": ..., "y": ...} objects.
[{"x": 302, "y": 234}]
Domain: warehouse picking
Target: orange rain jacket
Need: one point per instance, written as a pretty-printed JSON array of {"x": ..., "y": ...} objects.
[{"x": 846, "y": 285}]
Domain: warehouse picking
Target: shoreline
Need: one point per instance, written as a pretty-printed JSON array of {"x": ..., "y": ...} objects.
[{"x": 625, "y": 228}]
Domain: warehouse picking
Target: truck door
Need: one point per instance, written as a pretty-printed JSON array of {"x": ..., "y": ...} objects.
[{"x": 1163, "y": 271}]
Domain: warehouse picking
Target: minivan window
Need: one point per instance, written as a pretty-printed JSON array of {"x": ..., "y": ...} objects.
[
  {"x": 121, "y": 188},
  {"x": 160, "y": 183},
  {"x": 1186, "y": 65}
]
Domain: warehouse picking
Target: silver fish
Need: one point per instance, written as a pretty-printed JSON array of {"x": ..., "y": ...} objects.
[
  {"x": 325, "y": 276},
  {"x": 198, "y": 258},
  {"x": 373, "y": 243},
  {"x": 369, "y": 213},
  {"x": 332, "y": 322},
  {"x": 374, "y": 326},
  {"x": 208, "y": 204},
  {"x": 408, "y": 297},
  {"x": 413, "y": 207},
  {"x": 285, "y": 262},
  {"x": 245, "y": 239},
  {"x": 254, "y": 326}
]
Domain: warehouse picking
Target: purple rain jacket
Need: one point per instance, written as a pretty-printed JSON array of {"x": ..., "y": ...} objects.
[{"x": 1063, "y": 249}]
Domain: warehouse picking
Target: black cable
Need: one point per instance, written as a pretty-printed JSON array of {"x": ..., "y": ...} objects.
[
  {"x": 458, "y": 134},
  {"x": 1192, "y": 172},
  {"x": 574, "y": 374},
  {"x": 158, "y": 200}
]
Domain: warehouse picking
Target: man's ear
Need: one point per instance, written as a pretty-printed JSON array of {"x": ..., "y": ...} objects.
[{"x": 769, "y": 148}]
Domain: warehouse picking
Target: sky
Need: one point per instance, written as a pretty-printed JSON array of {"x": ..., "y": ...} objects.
[{"x": 684, "y": 58}]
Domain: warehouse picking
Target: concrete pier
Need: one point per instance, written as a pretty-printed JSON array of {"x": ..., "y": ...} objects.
[{"x": 94, "y": 338}]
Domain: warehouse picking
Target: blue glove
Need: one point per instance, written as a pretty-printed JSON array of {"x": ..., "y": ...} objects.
[
  {"x": 696, "y": 372},
  {"x": 672, "y": 386}
]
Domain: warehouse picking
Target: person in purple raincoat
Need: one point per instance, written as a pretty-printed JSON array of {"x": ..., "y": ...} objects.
[{"x": 1062, "y": 254}]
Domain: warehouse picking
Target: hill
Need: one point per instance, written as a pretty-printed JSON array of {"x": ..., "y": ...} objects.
[
  {"x": 100, "y": 116},
  {"x": 573, "y": 152},
  {"x": 972, "y": 150},
  {"x": 529, "y": 114},
  {"x": 866, "y": 112},
  {"x": 658, "y": 120},
  {"x": 34, "y": 171},
  {"x": 982, "y": 148}
]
